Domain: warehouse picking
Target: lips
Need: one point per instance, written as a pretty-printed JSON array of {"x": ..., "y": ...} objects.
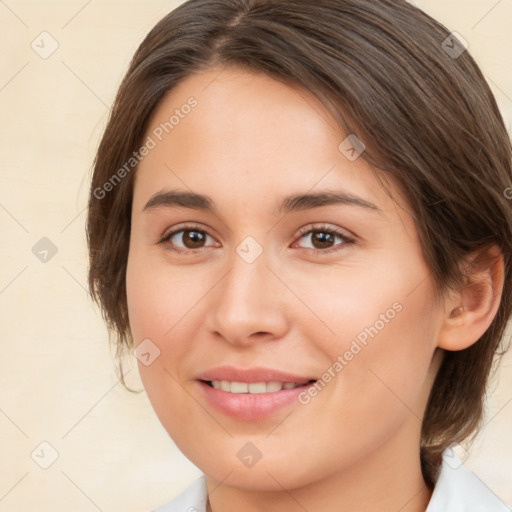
[
  {"x": 252, "y": 375},
  {"x": 251, "y": 394}
]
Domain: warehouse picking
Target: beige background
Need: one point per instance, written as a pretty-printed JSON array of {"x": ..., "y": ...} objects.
[{"x": 57, "y": 379}]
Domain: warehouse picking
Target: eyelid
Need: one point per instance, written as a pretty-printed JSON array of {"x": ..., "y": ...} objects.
[{"x": 319, "y": 226}]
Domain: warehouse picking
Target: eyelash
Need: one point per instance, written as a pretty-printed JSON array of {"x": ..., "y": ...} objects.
[{"x": 347, "y": 241}]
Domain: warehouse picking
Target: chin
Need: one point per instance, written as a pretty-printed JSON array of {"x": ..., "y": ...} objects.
[{"x": 270, "y": 473}]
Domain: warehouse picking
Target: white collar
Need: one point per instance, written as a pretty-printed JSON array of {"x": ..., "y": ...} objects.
[
  {"x": 457, "y": 490},
  {"x": 460, "y": 490}
]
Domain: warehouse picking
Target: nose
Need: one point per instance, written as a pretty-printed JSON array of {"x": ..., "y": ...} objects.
[{"x": 248, "y": 304}]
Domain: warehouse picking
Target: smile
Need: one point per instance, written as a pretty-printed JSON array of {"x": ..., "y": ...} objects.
[
  {"x": 253, "y": 387},
  {"x": 251, "y": 394}
]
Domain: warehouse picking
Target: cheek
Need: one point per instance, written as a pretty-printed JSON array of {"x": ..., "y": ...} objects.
[
  {"x": 163, "y": 306},
  {"x": 384, "y": 330},
  {"x": 159, "y": 297},
  {"x": 155, "y": 307},
  {"x": 387, "y": 361}
]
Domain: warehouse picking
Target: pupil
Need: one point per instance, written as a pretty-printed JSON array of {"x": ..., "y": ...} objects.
[
  {"x": 196, "y": 238},
  {"x": 325, "y": 239}
]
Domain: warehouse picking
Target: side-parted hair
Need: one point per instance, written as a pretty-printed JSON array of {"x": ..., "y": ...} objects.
[{"x": 389, "y": 73}]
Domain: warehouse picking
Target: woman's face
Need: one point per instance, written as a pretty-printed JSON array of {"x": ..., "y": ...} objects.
[{"x": 298, "y": 268}]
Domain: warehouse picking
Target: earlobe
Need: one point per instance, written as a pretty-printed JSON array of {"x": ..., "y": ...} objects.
[{"x": 470, "y": 311}]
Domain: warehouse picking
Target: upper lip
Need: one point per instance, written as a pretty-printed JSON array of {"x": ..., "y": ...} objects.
[{"x": 250, "y": 375}]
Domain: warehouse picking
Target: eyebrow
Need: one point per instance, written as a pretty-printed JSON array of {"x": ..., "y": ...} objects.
[{"x": 292, "y": 203}]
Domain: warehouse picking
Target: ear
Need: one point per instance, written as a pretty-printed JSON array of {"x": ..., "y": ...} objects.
[{"x": 470, "y": 310}]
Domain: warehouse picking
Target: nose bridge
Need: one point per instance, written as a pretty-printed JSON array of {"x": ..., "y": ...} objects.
[
  {"x": 246, "y": 285},
  {"x": 247, "y": 300}
]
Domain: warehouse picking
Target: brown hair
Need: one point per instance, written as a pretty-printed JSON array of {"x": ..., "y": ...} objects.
[{"x": 385, "y": 70}]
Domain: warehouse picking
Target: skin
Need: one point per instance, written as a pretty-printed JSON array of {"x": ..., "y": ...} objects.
[{"x": 355, "y": 446}]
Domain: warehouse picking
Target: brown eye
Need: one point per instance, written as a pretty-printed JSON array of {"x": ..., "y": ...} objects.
[
  {"x": 193, "y": 239},
  {"x": 323, "y": 240},
  {"x": 187, "y": 240}
]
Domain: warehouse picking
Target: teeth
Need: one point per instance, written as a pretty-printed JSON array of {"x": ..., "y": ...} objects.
[
  {"x": 257, "y": 387},
  {"x": 272, "y": 387},
  {"x": 253, "y": 387},
  {"x": 239, "y": 387}
]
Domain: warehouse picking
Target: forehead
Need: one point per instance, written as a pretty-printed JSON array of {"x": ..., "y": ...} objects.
[{"x": 248, "y": 135}]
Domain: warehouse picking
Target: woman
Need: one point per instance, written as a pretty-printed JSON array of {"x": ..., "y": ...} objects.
[{"x": 298, "y": 220}]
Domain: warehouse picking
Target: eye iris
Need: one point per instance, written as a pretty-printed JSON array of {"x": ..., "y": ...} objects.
[
  {"x": 194, "y": 237},
  {"x": 325, "y": 239}
]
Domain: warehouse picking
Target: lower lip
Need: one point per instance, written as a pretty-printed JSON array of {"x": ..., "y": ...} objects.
[{"x": 249, "y": 406}]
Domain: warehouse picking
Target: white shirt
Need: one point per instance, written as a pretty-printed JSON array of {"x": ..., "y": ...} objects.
[{"x": 457, "y": 490}]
